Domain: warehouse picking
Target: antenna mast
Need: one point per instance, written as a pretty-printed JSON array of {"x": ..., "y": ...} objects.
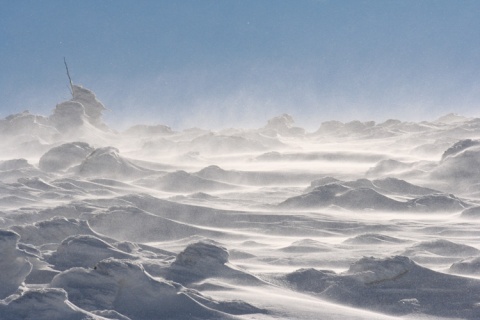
[{"x": 68, "y": 75}]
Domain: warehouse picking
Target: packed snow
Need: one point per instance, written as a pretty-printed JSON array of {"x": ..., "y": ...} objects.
[{"x": 357, "y": 220}]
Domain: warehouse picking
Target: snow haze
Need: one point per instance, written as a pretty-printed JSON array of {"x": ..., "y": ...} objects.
[{"x": 244, "y": 62}]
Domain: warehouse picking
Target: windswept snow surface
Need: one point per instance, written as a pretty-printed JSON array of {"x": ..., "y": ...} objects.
[{"x": 357, "y": 220}]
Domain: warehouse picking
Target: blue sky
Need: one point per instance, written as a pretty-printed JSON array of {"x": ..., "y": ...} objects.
[{"x": 237, "y": 63}]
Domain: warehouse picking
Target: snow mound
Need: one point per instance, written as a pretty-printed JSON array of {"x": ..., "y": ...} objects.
[
  {"x": 341, "y": 196},
  {"x": 149, "y": 131},
  {"x": 64, "y": 156},
  {"x": 389, "y": 166},
  {"x": 205, "y": 259},
  {"x": 443, "y": 247},
  {"x": 473, "y": 213},
  {"x": 126, "y": 288},
  {"x": 14, "y": 164},
  {"x": 372, "y": 270},
  {"x": 451, "y": 118},
  {"x": 202, "y": 196},
  {"x": 37, "y": 183},
  {"x": 349, "y": 129},
  {"x": 319, "y": 156},
  {"x": 27, "y": 129},
  {"x": 181, "y": 181},
  {"x": 459, "y": 147},
  {"x": 253, "y": 178},
  {"x": 52, "y": 231},
  {"x": 438, "y": 202},
  {"x": 402, "y": 187},
  {"x": 134, "y": 224},
  {"x": 395, "y": 285},
  {"x": 321, "y": 182},
  {"x": 16, "y": 170},
  {"x": 212, "y": 143},
  {"x": 44, "y": 304},
  {"x": 202, "y": 256},
  {"x": 456, "y": 168},
  {"x": 82, "y": 110},
  {"x": 364, "y": 194},
  {"x": 467, "y": 266},
  {"x": 107, "y": 163},
  {"x": 283, "y": 126},
  {"x": 84, "y": 251},
  {"x": 373, "y": 238},
  {"x": 306, "y": 246},
  {"x": 14, "y": 265},
  {"x": 93, "y": 108},
  {"x": 68, "y": 116}
]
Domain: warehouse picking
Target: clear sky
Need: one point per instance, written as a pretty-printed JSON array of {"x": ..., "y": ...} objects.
[{"x": 221, "y": 63}]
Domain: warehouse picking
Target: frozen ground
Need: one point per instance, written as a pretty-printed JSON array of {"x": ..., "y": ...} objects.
[{"x": 357, "y": 220}]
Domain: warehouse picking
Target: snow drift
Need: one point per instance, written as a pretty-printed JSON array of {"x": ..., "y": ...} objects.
[{"x": 356, "y": 220}]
